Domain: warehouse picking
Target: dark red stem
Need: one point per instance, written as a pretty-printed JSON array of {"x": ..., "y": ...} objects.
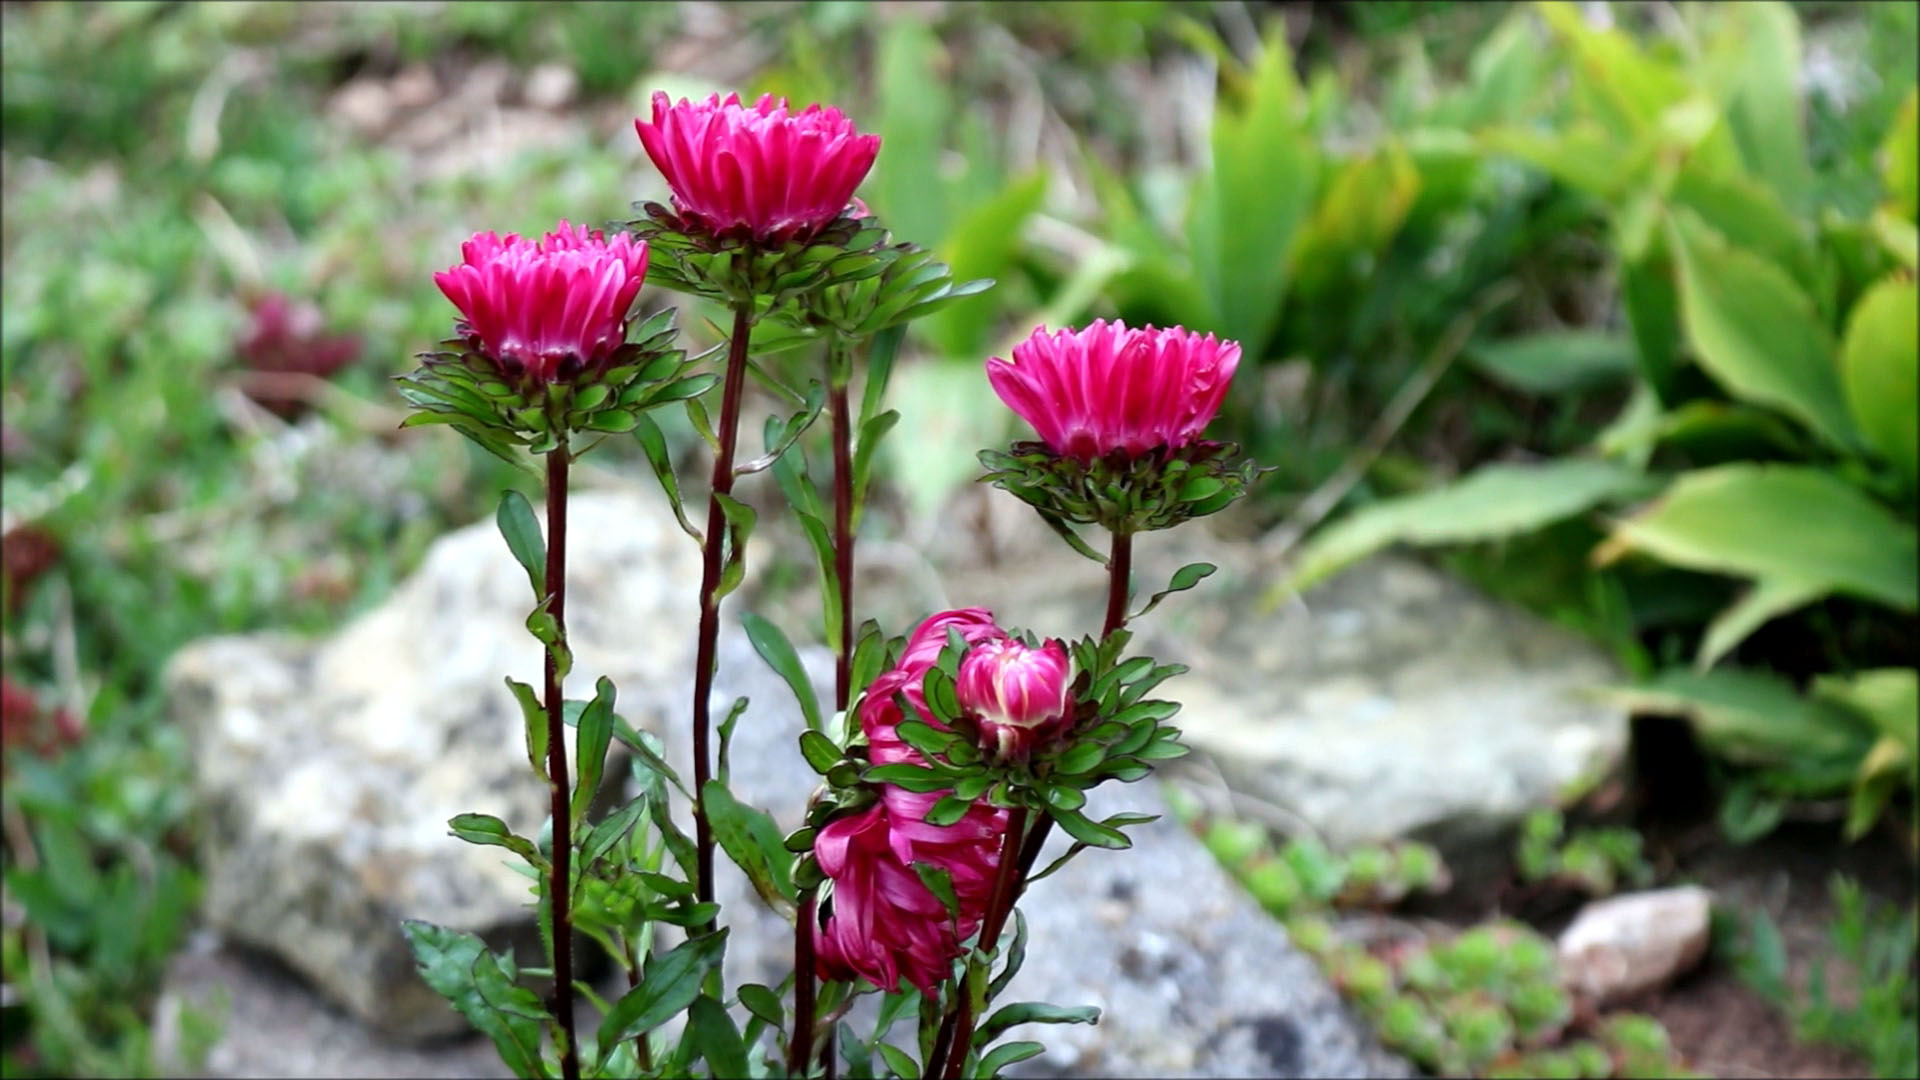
[
  {"x": 703, "y": 663},
  {"x": 800, "y": 1046},
  {"x": 559, "y": 892},
  {"x": 843, "y": 539},
  {"x": 1006, "y": 889}
]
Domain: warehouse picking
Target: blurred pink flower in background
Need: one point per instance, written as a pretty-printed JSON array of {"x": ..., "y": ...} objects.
[
  {"x": 550, "y": 309},
  {"x": 885, "y": 923},
  {"x": 776, "y": 173},
  {"x": 285, "y": 336},
  {"x": 1018, "y": 693},
  {"x": 1105, "y": 388}
]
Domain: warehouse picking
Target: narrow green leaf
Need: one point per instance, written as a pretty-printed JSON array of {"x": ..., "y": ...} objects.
[
  {"x": 819, "y": 751},
  {"x": 778, "y": 652},
  {"x": 670, "y": 984},
  {"x": 1183, "y": 579},
  {"x": 939, "y": 882},
  {"x": 522, "y": 532},
  {"x": 1007, "y": 1054},
  {"x": 590, "y": 747},
  {"x": 716, "y": 1038},
  {"x": 608, "y": 832},
  {"x": 1032, "y": 1012},
  {"x": 1089, "y": 832},
  {"x": 899, "y": 1061},
  {"x": 535, "y": 717},
  {"x": 653, "y": 442}
]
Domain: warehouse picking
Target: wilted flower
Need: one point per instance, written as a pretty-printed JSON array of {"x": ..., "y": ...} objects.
[
  {"x": 1019, "y": 694},
  {"x": 884, "y": 922},
  {"x": 546, "y": 311},
  {"x": 1108, "y": 387},
  {"x": 762, "y": 168}
]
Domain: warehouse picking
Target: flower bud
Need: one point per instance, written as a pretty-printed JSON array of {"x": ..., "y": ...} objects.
[{"x": 1019, "y": 693}]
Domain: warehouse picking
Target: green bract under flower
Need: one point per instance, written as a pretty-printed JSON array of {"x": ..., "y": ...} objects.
[
  {"x": 460, "y": 386},
  {"x": 1124, "y": 494}
]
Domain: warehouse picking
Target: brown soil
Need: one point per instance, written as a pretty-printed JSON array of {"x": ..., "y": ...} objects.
[{"x": 1724, "y": 1029}]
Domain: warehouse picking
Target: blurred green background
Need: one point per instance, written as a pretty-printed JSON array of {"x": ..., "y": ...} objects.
[{"x": 1609, "y": 306}]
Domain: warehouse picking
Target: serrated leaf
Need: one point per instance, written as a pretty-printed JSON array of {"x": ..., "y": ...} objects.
[{"x": 447, "y": 960}]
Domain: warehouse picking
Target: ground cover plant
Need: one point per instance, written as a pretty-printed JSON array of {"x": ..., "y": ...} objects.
[{"x": 217, "y": 234}]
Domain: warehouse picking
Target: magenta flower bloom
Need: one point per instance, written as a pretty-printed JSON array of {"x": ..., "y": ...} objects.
[
  {"x": 1019, "y": 694},
  {"x": 1105, "y": 388},
  {"x": 547, "y": 309},
  {"x": 885, "y": 924},
  {"x": 763, "y": 168}
]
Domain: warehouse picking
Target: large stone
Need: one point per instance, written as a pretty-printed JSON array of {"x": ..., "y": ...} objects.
[
  {"x": 328, "y": 770},
  {"x": 1393, "y": 700},
  {"x": 1192, "y": 978}
]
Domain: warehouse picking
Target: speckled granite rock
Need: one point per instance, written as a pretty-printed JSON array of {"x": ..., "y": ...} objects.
[{"x": 328, "y": 769}]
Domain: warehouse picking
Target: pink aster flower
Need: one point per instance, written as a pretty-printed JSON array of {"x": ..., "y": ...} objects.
[
  {"x": 1019, "y": 694},
  {"x": 885, "y": 924},
  {"x": 1105, "y": 388},
  {"x": 546, "y": 309},
  {"x": 762, "y": 168}
]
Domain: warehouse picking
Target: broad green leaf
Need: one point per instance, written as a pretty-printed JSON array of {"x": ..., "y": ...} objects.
[
  {"x": 1492, "y": 502},
  {"x": 1755, "y": 331},
  {"x": 906, "y": 187},
  {"x": 670, "y": 983},
  {"x": 1765, "y": 105},
  {"x": 1752, "y": 717},
  {"x": 1890, "y": 697},
  {"x": 1626, "y": 89},
  {"x": 448, "y": 960},
  {"x": 899, "y": 1061},
  {"x": 1900, "y": 158},
  {"x": 1249, "y": 207},
  {"x": 1880, "y": 368},
  {"x": 1581, "y": 155},
  {"x": 981, "y": 245},
  {"x": 522, "y": 533},
  {"x": 763, "y": 1003},
  {"x": 778, "y": 652},
  {"x": 1361, "y": 211},
  {"x": 1556, "y": 361},
  {"x": 1785, "y": 523},
  {"x": 1768, "y": 599},
  {"x": 819, "y": 751}
]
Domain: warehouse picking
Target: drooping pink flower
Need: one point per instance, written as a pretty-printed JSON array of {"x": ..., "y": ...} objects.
[
  {"x": 1108, "y": 387},
  {"x": 885, "y": 924},
  {"x": 550, "y": 308},
  {"x": 763, "y": 168},
  {"x": 1019, "y": 694}
]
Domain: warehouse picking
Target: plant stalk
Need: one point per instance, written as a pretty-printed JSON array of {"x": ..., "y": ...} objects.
[
  {"x": 709, "y": 634},
  {"x": 1006, "y": 890},
  {"x": 559, "y": 886},
  {"x": 800, "y": 1046}
]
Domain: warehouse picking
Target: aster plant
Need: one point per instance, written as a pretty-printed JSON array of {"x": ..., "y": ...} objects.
[{"x": 949, "y": 754}]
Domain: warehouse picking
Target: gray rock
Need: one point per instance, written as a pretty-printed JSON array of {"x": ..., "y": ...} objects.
[
  {"x": 328, "y": 770},
  {"x": 1193, "y": 979},
  {"x": 1394, "y": 700}
]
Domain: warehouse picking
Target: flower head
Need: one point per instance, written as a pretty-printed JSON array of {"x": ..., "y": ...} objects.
[
  {"x": 885, "y": 923},
  {"x": 763, "y": 168},
  {"x": 1018, "y": 693},
  {"x": 1108, "y": 387},
  {"x": 546, "y": 310}
]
